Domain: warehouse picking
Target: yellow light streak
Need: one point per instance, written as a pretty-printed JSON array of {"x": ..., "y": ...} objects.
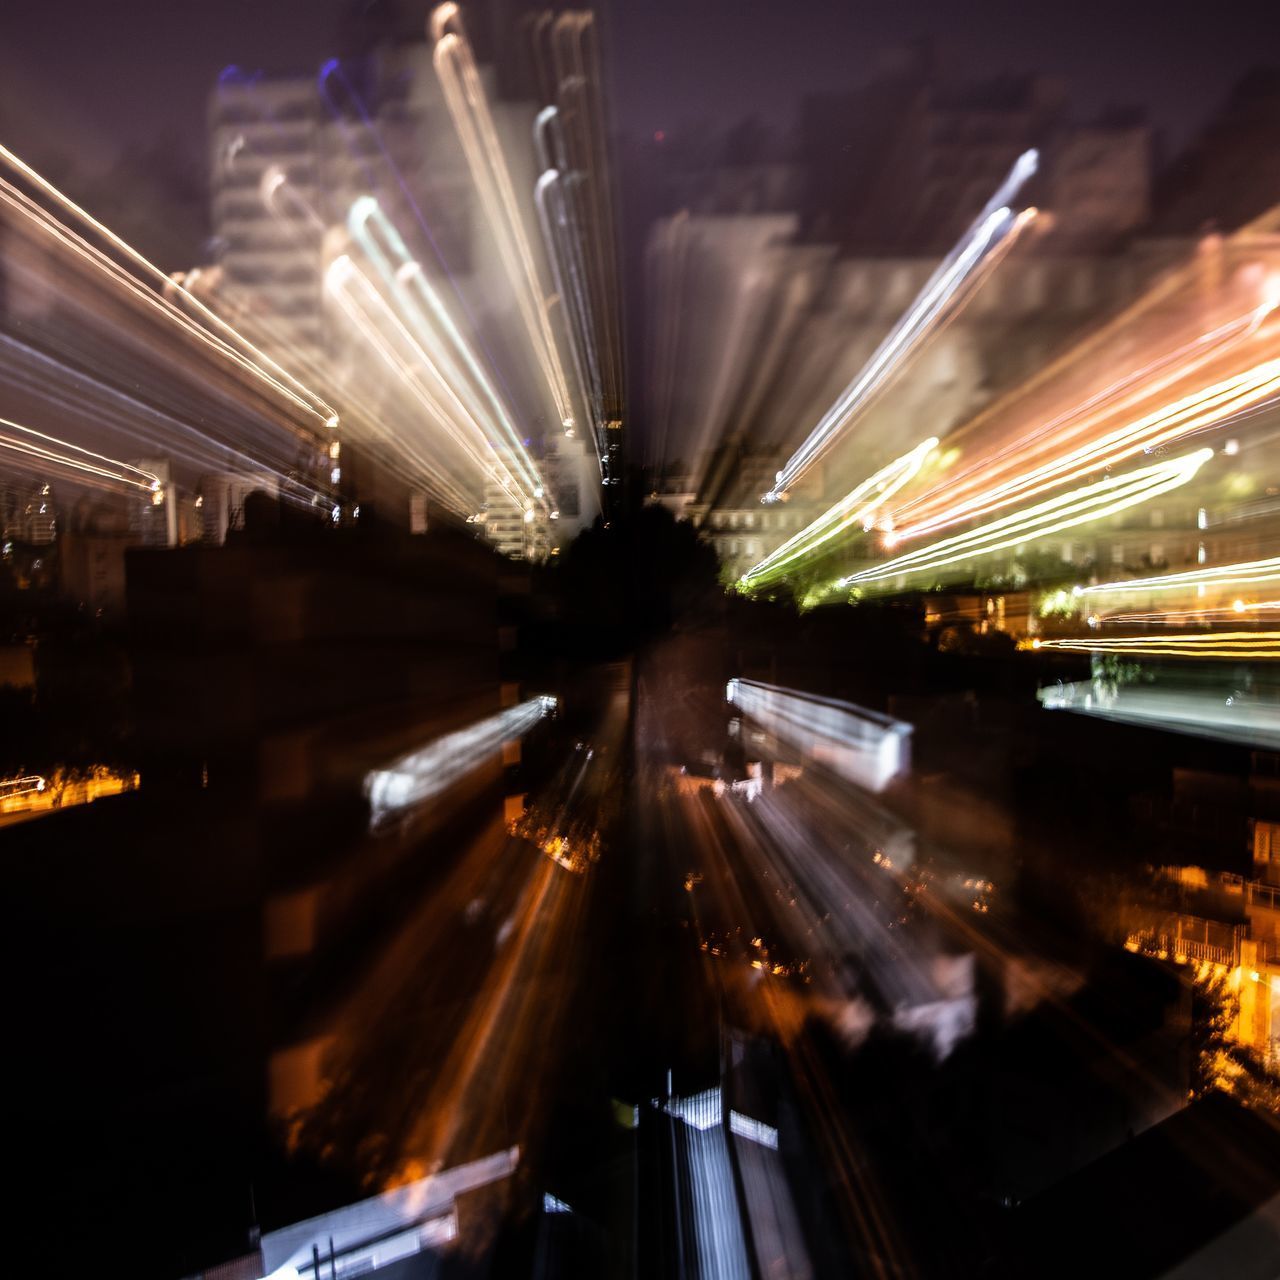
[
  {"x": 1206, "y": 644},
  {"x": 1193, "y": 412},
  {"x": 855, "y": 508},
  {"x": 1093, "y": 502},
  {"x": 35, "y": 444},
  {"x": 1124, "y": 393},
  {"x": 1173, "y": 617}
]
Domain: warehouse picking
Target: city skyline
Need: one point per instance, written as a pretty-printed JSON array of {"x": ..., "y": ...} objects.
[{"x": 641, "y": 642}]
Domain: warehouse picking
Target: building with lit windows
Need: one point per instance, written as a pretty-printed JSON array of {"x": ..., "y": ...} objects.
[{"x": 27, "y": 513}]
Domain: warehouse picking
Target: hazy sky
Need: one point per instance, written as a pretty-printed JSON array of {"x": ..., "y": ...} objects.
[
  {"x": 87, "y": 78},
  {"x": 1178, "y": 58}
]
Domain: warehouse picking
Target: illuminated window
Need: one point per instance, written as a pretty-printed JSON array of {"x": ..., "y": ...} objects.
[{"x": 1266, "y": 841}]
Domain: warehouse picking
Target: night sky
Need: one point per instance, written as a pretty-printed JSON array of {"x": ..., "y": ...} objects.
[
  {"x": 88, "y": 78},
  {"x": 1176, "y": 58}
]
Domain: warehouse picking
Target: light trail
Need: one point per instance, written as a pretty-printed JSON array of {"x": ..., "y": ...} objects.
[
  {"x": 408, "y": 271},
  {"x": 863, "y": 746},
  {"x": 567, "y": 53},
  {"x": 732, "y": 885},
  {"x": 1204, "y": 408},
  {"x": 74, "y": 243},
  {"x": 1080, "y": 506},
  {"x": 47, "y": 449},
  {"x": 856, "y": 508},
  {"x": 1097, "y": 348},
  {"x": 65, "y": 789},
  {"x": 276, "y": 190},
  {"x": 505, "y": 1051},
  {"x": 1206, "y": 644},
  {"x": 1202, "y": 712},
  {"x": 233, "y": 345},
  {"x": 274, "y": 179},
  {"x": 424, "y": 774},
  {"x": 465, "y": 97},
  {"x": 1173, "y": 617},
  {"x": 703, "y": 1176},
  {"x": 1243, "y": 573},
  {"x": 423, "y": 310},
  {"x": 31, "y": 784},
  {"x": 79, "y": 392},
  {"x": 382, "y": 1231},
  {"x": 344, "y": 279},
  {"x": 362, "y": 423},
  {"x": 333, "y": 70},
  {"x": 958, "y": 494},
  {"x": 562, "y": 238},
  {"x": 939, "y": 296}
]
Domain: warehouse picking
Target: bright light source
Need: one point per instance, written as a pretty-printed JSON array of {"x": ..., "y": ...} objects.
[
  {"x": 864, "y": 746},
  {"x": 424, "y": 774}
]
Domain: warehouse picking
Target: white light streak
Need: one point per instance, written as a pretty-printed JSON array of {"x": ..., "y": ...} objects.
[
  {"x": 995, "y": 222},
  {"x": 231, "y": 344},
  {"x": 468, "y": 105},
  {"x": 1239, "y": 574},
  {"x": 864, "y": 746},
  {"x": 427, "y": 773},
  {"x": 1221, "y": 714}
]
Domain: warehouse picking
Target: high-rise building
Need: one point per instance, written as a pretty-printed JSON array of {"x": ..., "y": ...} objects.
[
  {"x": 153, "y": 517},
  {"x": 268, "y": 249},
  {"x": 290, "y": 156},
  {"x": 517, "y": 532},
  {"x": 290, "y": 159},
  {"x": 572, "y": 474}
]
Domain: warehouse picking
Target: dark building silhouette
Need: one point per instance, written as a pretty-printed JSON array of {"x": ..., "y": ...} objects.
[{"x": 1231, "y": 173}]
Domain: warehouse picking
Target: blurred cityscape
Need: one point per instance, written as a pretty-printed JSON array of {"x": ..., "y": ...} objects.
[{"x": 699, "y": 701}]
